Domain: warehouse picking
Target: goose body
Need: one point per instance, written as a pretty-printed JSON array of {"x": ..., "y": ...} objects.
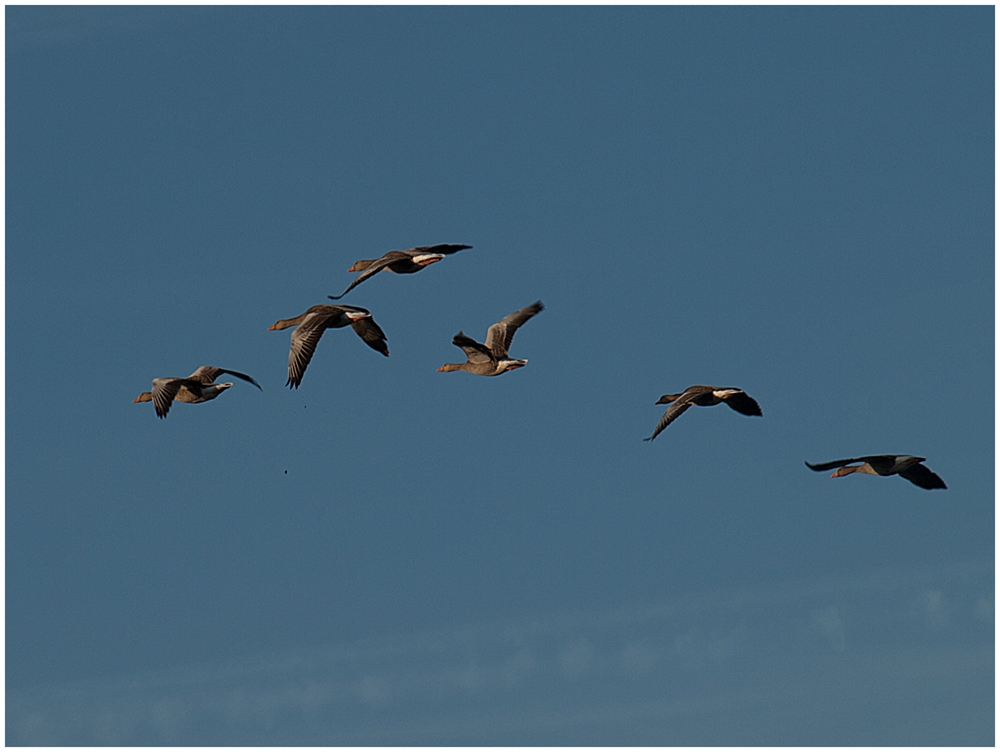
[
  {"x": 491, "y": 359},
  {"x": 703, "y": 396},
  {"x": 399, "y": 262},
  {"x": 316, "y": 320},
  {"x": 200, "y": 386},
  {"x": 904, "y": 465}
]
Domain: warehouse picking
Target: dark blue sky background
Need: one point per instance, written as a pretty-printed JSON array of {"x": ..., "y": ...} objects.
[{"x": 795, "y": 201}]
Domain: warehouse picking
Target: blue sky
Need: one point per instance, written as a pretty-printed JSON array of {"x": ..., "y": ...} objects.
[{"x": 795, "y": 201}]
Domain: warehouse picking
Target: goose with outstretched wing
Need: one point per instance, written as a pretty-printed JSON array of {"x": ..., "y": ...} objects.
[
  {"x": 399, "y": 262},
  {"x": 316, "y": 320},
  {"x": 904, "y": 465},
  {"x": 492, "y": 359},
  {"x": 199, "y": 387},
  {"x": 703, "y": 396}
]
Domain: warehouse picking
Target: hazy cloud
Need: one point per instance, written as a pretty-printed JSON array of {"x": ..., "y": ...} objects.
[
  {"x": 985, "y": 607},
  {"x": 827, "y": 621},
  {"x": 576, "y": 658},
  {"x": 638, "y": 658},
  {"x": 936, "y": 608},
  {"x": 692, "y": 662}
]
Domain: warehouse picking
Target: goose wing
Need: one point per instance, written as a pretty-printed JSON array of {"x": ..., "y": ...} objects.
[
  {"x": 305, "y": 337},
  {"x": 208, "y": 375},
  {"x": 475, "y": 352},
  {"x": 165, "y": 389},
  {"x": 371, "y": 333},
  {"x": 879, "y": 463},
  {"x": 445, "y": 248},
  {"x": 922, "y": 476},
  {"x": 374, "y": 268},
  {"x": 501, "y": 334},
  {"x": 743, "y": 403},
  {"x": 676, "y": 409},
  {"x": 821, "y": 466}
]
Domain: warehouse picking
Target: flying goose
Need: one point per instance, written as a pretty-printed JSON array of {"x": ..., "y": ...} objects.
[
  {"x": 317, "y": 320},
  {"x": 400, "y": 262},
  {"x": 703, "y": 396},
  {"x": 491, "y": 359},
  {"x": 198, "y": 387},
  {"x": 904, "y": 465}
]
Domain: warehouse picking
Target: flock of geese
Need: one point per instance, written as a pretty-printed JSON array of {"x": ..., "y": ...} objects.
[{"x": 482, "y": 359}]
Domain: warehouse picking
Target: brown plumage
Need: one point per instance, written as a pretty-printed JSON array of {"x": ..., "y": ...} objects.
[
  {"x": 198, "y": 387},
  {"x": 703, "y": 396},
  {"x": 316, "y": 320},
  {"x": 400, "y": 262},
  {"x": 491, "y": 359},
  {"x": 904, "y": 465}
]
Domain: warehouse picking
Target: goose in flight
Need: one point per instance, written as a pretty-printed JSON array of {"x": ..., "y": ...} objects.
[
  {"x": 491, "y": 359},
  {"x": 198, "y": 387},
  {"x": 316, "y": 320},
  {"x": 905, "y": 465},
  {"x": 400, "y": 262},
  {"x": 703, "y": 396}
]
